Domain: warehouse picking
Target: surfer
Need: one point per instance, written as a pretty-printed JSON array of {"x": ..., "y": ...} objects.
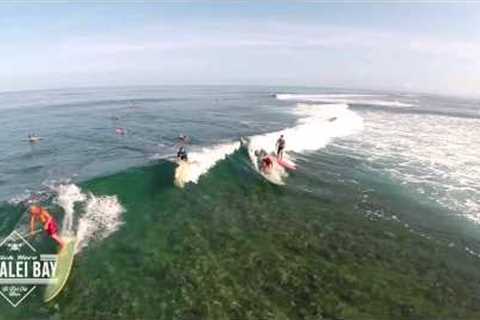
[
  {"x": 266, "y": 164},
  {"x": 33, "y": 138},
  {"x": 280, "y": 146},
  {"x": 182, "y": 154},
  {"x": 49, "y": 224},
  {"x": 183, "y": 139}
]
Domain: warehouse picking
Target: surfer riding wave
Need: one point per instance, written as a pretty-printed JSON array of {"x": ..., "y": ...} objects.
[{"x": 49, "y": 223}]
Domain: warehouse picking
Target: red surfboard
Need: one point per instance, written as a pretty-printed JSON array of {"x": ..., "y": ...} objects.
[{"x": 287, "y": 164}]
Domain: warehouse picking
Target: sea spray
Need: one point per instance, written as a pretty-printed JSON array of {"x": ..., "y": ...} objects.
[
  {"x": 102, "y": 218},
  {"x": 201, "y": 161},
  {"x": 96, "y": 219},
  {"x": 68, "y": 195}
]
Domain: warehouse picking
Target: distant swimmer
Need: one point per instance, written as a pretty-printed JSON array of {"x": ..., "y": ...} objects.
[
  {"x": 182, "y": 154},
  {"x": 33, "y": 138},
  {"x": 120, "y": 131},
  {"x": 183, "y": 139},
  {"x": 280, "y": 145},
  {"x": 133, "y": 105},
  {"x": 49, "y": 224}
]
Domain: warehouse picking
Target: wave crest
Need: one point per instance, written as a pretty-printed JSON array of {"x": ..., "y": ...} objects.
[
  {"x": 317, "y": 126},
  {"x": 364, "y": 99},
  {"x": 201, "y": 161}
]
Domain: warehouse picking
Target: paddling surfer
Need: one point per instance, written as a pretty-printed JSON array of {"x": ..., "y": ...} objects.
[
  {"x": 33, "y": 138},
  {"x": 280, "y": 146},
  {"x": 49, "y": 224}
]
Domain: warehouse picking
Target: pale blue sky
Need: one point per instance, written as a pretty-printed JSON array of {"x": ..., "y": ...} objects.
[{"x": 409, "y": 46}]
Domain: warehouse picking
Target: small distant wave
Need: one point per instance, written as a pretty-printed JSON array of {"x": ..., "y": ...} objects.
[
  {"x": 201, "y": 161},
  {"x": 363, "y": 99},
  {"x": 312, "y": 97}
]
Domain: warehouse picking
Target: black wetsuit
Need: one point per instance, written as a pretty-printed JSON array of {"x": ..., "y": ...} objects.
[
  {"x": 182, "y": 154},
  {"x": 280, "y": 145}
]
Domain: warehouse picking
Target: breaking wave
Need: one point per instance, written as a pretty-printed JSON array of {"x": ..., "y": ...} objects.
[
  {"x": 201, "y": 161},
  {"x": 364, "y": 99},
  {"x": 316, "y": 127}
]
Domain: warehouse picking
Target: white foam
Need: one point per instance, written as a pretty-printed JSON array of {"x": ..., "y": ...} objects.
[
  {"x": 436, "y": 155},
  {"x": 68, "y": 195},
  {"x": 316, "y": 127},
  {"x": 201, "y": 161},
  {"x": 312, "y": 97},
  {"x": 102, "y": 218},
  {"x": 365, "y": 99},
  {"x": 96, "y": 219}
]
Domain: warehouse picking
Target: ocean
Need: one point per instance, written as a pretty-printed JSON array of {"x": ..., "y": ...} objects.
[{"x": 379, "y": 221}]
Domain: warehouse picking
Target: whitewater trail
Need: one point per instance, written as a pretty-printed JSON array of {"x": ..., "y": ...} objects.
[
  {"x": 68, "y": 195},
  {"x": 94, "y": 220},
  {"x": 201, "y": 161}
]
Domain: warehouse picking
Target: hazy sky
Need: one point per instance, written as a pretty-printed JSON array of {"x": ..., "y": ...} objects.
[{"x": 420, "y": 47}]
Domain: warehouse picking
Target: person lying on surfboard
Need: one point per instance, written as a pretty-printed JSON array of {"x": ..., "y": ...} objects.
[
  {"x": 280, "y": 146},
  {"x": 182, "y": 154},
  {"x": 49, "y": 224}
]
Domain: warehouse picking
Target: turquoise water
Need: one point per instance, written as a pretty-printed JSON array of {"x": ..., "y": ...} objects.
[{"x": 378, "y": 222}]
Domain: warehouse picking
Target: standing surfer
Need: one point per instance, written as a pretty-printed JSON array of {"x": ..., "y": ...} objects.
[
  {"x": 182, "y": 154},
  {"x": 280, "y": 146},
  {"x": 49, "y": 224},
  {"x": 182, "y": 141}
]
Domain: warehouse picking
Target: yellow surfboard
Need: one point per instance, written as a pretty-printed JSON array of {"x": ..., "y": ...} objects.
[{"x": 63, "y": 269}]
